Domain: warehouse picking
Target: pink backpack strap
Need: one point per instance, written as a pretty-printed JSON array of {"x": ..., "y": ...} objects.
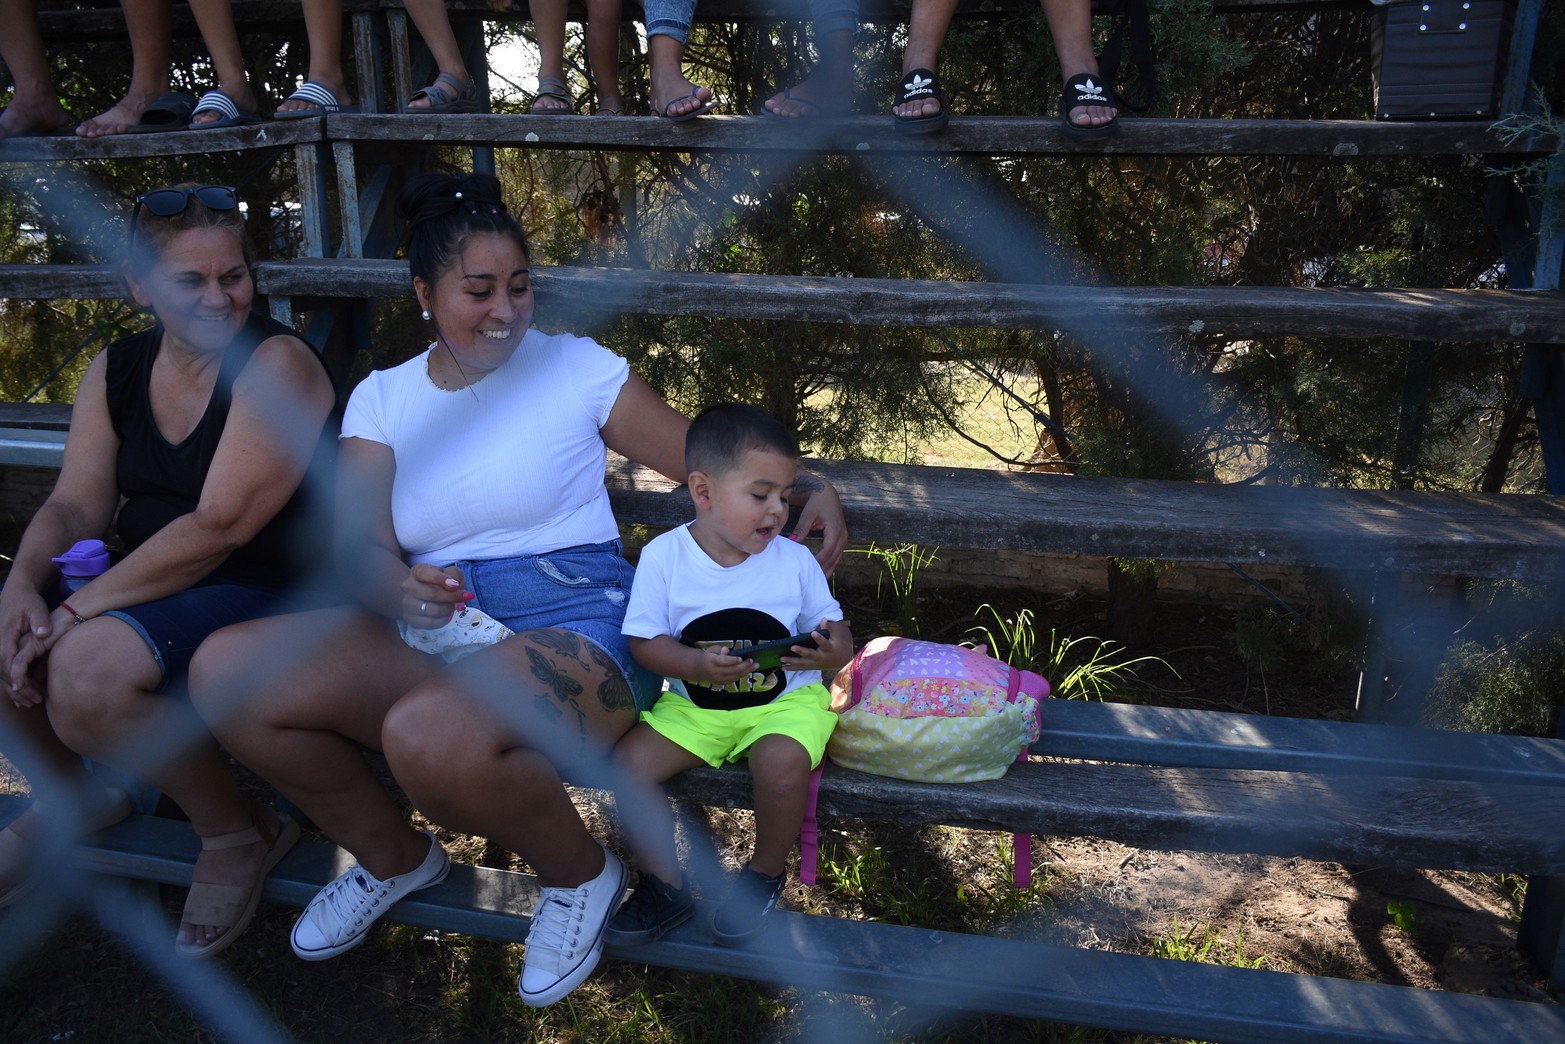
[
  {"x": 809, "y": 830},
  {"x": 1021, "y": 861}
]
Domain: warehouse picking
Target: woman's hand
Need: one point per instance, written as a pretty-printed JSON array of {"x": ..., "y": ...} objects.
[
  {"x": 822, "y": 513},
  {"x": 432, "y": 595},
  {"x": 24, "y": 619}
]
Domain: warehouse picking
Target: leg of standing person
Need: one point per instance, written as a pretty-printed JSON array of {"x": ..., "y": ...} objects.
[
  {"x": 323, "y": 30},
  {"x": 149, "y": 24},
  {"x": 215, "y": 18},
  {"x": 829, "y": 89},
  {"x": 453, "y": 89},
  {"x": 668, "y": 30},
  {"x": 549, "y": 23},
  {"x": 1070, "y": 24},
  {"x": 926, "y": 34},
  {"x": 603, "y": 26},
  {"x": 104, "y": 702},
  {"x": 34, "y": 109}
]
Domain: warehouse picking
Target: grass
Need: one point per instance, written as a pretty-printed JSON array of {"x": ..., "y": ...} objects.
[{"x": 1202, "y": 946}]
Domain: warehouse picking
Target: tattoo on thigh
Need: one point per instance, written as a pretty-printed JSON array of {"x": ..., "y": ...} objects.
[
  {"x": 613, "y": 692},
  {"x": 566, "y": 643},
  {"x": 615, "y": 695},
  {"x": 562, "y": 685}
]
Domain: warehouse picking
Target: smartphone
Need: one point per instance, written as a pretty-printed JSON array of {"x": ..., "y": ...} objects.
[{"x": 769, "y": 654}]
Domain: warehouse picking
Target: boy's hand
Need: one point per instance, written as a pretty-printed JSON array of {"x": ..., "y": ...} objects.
[
  {"x": 834, "y": 648},
  {"x": 715, "y": 666}
]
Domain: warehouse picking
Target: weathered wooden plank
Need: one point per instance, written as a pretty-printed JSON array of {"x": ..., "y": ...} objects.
[
  {"x": 1378, "y": 820},
  {"x": 1465, "y": 534},
  {"x": 932, "y": 970},
  {"x": 973, "y": 135},
  {"x": 1514, "y": 536},
  {"x": 53, "y": 416},
  {"x": 1213, "y": 739},
  {"x": 52, "y": 282},
  {"x": 266, "y": 135},
  {"x": 1215, "y": 311}
]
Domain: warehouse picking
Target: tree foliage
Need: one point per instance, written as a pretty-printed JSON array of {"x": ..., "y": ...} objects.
[{"x": 1282, "y": 409}]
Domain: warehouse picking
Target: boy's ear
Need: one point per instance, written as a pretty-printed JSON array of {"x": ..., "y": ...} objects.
[{"x": 700, "y": 485}]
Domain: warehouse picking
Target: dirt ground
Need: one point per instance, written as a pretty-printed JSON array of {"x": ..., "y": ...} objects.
[{"x": 1454, "y": 931}]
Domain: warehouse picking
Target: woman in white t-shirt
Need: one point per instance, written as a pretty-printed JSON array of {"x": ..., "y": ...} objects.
[{"x": 472, "y": 473}]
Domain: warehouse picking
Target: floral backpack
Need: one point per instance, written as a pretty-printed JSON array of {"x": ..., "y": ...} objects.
[{"x": 932, "y": 713}]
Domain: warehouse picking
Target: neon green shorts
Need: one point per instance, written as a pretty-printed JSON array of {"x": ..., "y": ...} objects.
[{"x": 716, "y": 736}]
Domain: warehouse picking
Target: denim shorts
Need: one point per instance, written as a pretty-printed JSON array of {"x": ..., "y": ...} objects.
[
  {"x": 174, "y": 627},
  {"x": 580, "y": 589}
]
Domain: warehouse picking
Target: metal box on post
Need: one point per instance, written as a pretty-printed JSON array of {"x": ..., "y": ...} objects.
[{"x": 1439, "y": 59}]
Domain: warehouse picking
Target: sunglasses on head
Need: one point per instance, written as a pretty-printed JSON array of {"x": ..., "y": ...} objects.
[{"x": 166, "y": 202}]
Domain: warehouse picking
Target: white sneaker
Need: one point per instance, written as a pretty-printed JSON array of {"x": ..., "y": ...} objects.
[
  {"x": 340, "y": 915},
  {"x": 566, "y": 938}
]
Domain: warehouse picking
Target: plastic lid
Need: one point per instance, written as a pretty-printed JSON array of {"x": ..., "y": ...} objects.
[{"x": 85, "y": 558}]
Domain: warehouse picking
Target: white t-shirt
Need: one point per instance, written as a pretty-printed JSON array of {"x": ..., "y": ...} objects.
[
  {"x": 681, "y": 591},
  {"x": 510, "y": 466}
]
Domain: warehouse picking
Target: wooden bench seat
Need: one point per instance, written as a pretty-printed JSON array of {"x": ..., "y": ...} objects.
[
  {"x": 932, "y": 970},
  {"x": 1380, "y": 799}
]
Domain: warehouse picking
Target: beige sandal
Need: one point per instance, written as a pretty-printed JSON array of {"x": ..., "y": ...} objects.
[
  {"x": 227, "y": 905},
  {"x": 16, "y": 851}
]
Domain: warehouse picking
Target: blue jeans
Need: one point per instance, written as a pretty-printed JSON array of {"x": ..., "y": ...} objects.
[
  {"x": 673, "y": 17},
  {"x": 581, "y": 589},
  {"x": 175, "y": 626}
]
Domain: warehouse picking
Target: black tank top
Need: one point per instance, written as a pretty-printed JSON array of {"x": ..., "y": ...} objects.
[{"x": 160, "y": 480}]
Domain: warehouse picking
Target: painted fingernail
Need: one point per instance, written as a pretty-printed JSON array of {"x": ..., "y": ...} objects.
[
  {"x": 453, "y": 583},
  {"x": 468, "y": 596}
]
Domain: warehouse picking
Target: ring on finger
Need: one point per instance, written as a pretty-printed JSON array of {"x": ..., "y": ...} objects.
[{"x": 423, "y": 608}]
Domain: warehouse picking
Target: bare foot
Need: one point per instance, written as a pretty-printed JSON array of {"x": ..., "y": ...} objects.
[
  {"x": 126, "y": 113},
  {"x": 673, "y": 95},
  {"x": 22, "y": 118},
  {"x": 1092, "y": 115},
  {"x": 240, "y": 865},
  {"x": 823, "y": 93}
]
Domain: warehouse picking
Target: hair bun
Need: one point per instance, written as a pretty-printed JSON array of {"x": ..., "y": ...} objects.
[{"x": 429, "y": 197}]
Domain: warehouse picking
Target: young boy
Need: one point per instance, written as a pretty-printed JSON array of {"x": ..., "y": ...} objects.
[{"x": 703, "y": 593}]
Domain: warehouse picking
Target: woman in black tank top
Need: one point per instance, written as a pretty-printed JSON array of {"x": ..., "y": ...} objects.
[{"x": 206, "y": 426}]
